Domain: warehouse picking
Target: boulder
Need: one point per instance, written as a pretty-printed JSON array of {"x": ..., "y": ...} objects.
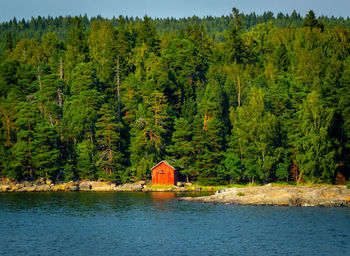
[
  {"x": 84, "y": 186},
  {"x": 62, "y": 187},
  {"x": 13, "y": 183},
  {"x": 24, "y": 189},
  {"x": 129, "y": 187},
  {"x": 179, "y": 184},
  {"x": 43, "y": 188},
  {"x": 72, "y": 183},
  {"x": 32, "y": 188},
  {"x": 102, "y": 186},
  {"x": 73, "y": 188},
  {"x": 5, "y": 188},
  {"x": 16, "y": 187},
  {"x": 56, "y": 188},
  {"x": 26, "y": 183}
]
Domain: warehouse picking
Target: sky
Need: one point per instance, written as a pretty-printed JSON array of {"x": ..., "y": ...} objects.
[{"x": 164, "y": 8}]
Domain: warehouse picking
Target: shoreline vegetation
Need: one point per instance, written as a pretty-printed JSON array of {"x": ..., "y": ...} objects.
[
  {"x": 95, "y": 99},
  {"x": 270, "y": 194}
]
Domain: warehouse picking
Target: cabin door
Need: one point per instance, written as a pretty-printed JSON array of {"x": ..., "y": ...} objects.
[{"x": 163, "y": 177}]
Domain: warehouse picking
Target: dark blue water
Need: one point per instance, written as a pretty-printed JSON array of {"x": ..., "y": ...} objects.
[{"x": 154, "y": 224}]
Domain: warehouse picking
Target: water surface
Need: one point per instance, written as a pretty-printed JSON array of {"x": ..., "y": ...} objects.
[{"x": 112, "y": 223}]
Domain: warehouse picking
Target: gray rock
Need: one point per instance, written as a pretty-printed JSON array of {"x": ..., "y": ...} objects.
[
  {"x": 73, "y": 188},
  {"x": 84, "y": 186},
  {"x": 129, "y": 187},
  {"x": 282, "y": 195},
  {"x": 26, "y": 183},
  {"x": 179, "y": 184},
  {"x": 43, "y": 188}
]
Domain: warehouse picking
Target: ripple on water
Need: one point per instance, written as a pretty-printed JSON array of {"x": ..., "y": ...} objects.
[{"x": 154, "y": 224}]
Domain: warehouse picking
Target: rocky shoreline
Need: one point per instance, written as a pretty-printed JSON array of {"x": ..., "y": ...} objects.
[
  {"x": 318, "y": 195},
  {"x": 48, "y": 185},
  {"x": 328, "y": 196}
]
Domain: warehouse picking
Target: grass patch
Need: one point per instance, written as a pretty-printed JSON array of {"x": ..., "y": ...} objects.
[
  {"x": 240, "y": 194},
  {"x": 283, "y": 183},
  {"x": 218, "y": 187},
  {"x": 205, "y": 188},
  {"x": 348, "y": 185},
  {"x": 293, "y": 183},
  {"x": 161, "y": 186}
]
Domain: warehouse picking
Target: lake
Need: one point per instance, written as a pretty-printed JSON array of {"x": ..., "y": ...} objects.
[{"x": 110, "y": 223}]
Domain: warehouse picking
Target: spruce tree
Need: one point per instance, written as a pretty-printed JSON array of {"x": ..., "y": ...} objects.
[
  {"x": 182, "y": 149},
  {"x": 108, "y": 154}
]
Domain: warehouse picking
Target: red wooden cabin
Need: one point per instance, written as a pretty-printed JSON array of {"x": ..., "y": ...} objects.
[{"x": 164, "y": 174}]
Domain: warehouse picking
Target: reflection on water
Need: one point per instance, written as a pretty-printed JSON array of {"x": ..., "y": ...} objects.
[
  {"x": 155, "y": 224},
  {"x": 161, "y": 196},
  {"x": 160, "y": 199}
]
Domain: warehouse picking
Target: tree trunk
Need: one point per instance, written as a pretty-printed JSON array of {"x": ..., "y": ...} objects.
[
  {"x": 31, "y": 173},
  {"x": 60, "y": 97},
  {"x": 61, "y": 68},
  {"x": 299, "y": 178},
  {"x": 118, "y": 99},
  {"x": 239, "y": 91},
  {"x": 39, "y": 77}
]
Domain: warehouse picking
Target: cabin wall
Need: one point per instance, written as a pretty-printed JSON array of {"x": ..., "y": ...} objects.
[{"x": 163, "y": 174}]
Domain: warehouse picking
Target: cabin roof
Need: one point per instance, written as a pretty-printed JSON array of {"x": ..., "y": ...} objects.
[{"x": 164, "y": 161}]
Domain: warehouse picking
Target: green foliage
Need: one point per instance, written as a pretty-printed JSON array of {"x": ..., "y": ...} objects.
[
  {"x": 316, "y": 154},
  {"x": 253, "y": 138},
  {"x": 107, "y": 139},
  {"x": 311, "y": 21},
  {"x": 234, "y": 99},
  {"x": 45, "y": 153},
  {"x": 85, "y": 166},
  {"x": 182, "y": 149}
]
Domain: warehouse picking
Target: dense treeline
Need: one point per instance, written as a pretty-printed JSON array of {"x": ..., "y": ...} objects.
[
  {"x": 109, "y": 102},
  {"x": 215, "y": 26}
]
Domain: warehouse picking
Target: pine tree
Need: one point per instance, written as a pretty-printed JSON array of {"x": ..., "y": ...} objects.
[
  {"x": 21, "y": 152},
  {"x": 147, "y": 145},
  {"x": 234, "y": 47},
  {"x": 311, "y": 21},
  {"x": 182, "y": 149},
  {"x": 85, "y": 164},
  {"x": 8, "y": 42},
  {"x": 45, "y": 154},
  {"x": 108, "y": 154},
  {"x": 77, "y": 48}
]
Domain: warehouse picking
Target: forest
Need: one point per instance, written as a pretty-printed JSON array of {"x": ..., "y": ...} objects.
[{"x": 231, "y": 99}]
